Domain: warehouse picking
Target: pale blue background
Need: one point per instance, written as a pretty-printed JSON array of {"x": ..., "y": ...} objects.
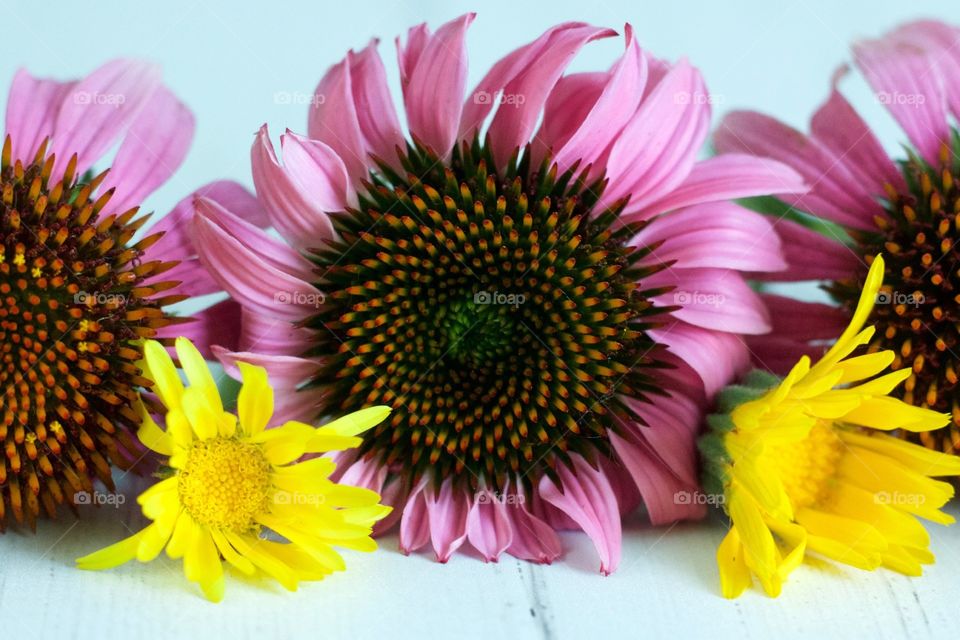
[{"x": 229, "y": 59}]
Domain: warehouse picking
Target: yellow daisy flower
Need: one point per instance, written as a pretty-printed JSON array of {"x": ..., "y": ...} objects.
[
  {"x": 803, "y": 468},
  {"x": 233, "y": 480}
]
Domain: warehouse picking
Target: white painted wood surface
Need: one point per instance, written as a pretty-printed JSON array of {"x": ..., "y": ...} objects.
[{"x": 666, "y": 587}]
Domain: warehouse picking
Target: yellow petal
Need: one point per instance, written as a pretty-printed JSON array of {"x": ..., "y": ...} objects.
[
  {"x": 357, "y": 422},
  {"x": 756, "y": 538},
  {"x": 184, "y": 533},
  {"x": 255, "y": 402},
  {"x": 198, "y": 374},
  {"x": 164, "y": 374},
  {"x": 150, "y": 434},
  {"x": 923, "y": 460},
  {"x": 152, "y": 542},
  {"x": 250, "y": 547},
  {"x": 201, "y": 417},
  {"x": 890, "y": 413},
  {"x": 237, "y": 561},
  {"x": 734, "y": 573},
  {"x": 112, "y": 556},
  {"x": 201, "y": 561},
  {"x": 863, "y": 367}
]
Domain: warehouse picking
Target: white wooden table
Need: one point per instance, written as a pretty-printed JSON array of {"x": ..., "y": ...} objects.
[{"x": 666, "y": 587}]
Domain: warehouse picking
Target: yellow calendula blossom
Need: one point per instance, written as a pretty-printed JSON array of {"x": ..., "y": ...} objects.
[
  {"x": 234, "y": 481},
  {"x": 804, "y": 467}
]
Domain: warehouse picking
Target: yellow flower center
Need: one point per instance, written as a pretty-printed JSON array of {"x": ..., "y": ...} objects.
[
  {"x": 225, "y": 484},
  {"x": 806, "y": 468}
]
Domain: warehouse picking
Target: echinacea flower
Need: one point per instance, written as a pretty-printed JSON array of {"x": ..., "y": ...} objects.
[
  {"x": 233, "y": 480},
  {"x": 507, "y": 279},
  {"x": 804, "y": 468},
  {"x": 905, "y": 207},
  {"x": 78, "y": 292}
]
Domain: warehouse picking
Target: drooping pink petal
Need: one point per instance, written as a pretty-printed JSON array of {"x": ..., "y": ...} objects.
[
  {"x": 298, "y": 198},
  {"x": 524, "y": 95},
  {"x": 838, "y": 127},
  {"x": 726, "y": 177},
  {"x": 717, "y": 357},
  {"x": 376, "y": 114},
  {"x": 942, "y": 43},
  {"x": 99, "y": 108},
  {"x": 32, "y": 108},
  {"x": 415, "y": 521},
  {"x": 670, "y": 430},
  {"x": 153, "y": 149},
  {"x": 302, "y": 405},
  {"x": 658, "y": 147},
  {"x": 717, "y": 234},
  {"x": 533, "y": 539},
  {"x": 716, "y": 299},
  {"x": 834, "y": 192},
  {"x": 333, "y": 120},
  {"x": 585, "y": 495},
  {"x": 272, "y": 335},
  {"x": 285, "y": 372},
  {"x": 905, "y": 80},
  {"x": 488, "y": 526},
  {"x": 218, "y": 323},
  {"x": 435, "y": 71},
  {"x": 274, "y": 253},
  {"x": 812, "y": 255},
  {"x": 242, "y": 272},
  {"x": 447, "y": 509}
]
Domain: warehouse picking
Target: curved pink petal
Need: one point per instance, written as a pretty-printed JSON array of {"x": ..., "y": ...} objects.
[
  {"x": 271, "y": 335},
  {"x": 585, "y": 495},
  {"x": 811, "y": 255},
  {"x": 806, "y": 321},
  {"x": 448, "y": 509},
  {"x": 415, "y": 521},
  {"x": 838, "y": 127},
  {"x": 533, "y": 539},
  {"x": 99, "y": 108},
  {"x": 297, "y": 198},
  {"x": 716, "y": 299},
  {"x": 727, "y": 177},
  {"x": 905, "y": 80},
  {"x": 218, "y": 323},
  {"x": 658, "y": 147},
  {"x": 718, "y": 358},
  {"x": 376, "y": 115},
  {"x": 303, "y": 405},
  {"x": 435, "y": 76},
  {"x": 274, "y": 253},
  {"x": 942, "y": 43},
  {"x": 834, "y": 192},
  {"x": 333, "y": 120},
  {"x": 32, "y": 108},
  {"x": 153, "y": 149},
  {"x": 718, "y": 234},
  {"x": 194, "y": 279},
  {"x": 524, "y": 95},
  {"x": 285, "y": 372},
  {"x": 488, "y": 526},
  {"x": 670, "y": 428},
  {"x": 244, "y": 275}
]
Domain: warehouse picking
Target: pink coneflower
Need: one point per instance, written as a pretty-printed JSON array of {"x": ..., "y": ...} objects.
[
  {"x": 78, "y": 294},
  {"x": 508, "y": 278},
  {"x": 905, "y": 208}
]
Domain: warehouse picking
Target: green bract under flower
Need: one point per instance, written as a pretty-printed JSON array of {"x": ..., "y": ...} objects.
[{"x": 497, "y": 312}]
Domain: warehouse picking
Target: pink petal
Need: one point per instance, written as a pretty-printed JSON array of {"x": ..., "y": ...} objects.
[
  {"x": 670, "y": 427},
  {"x": 838, "y": 127},
  {"x": 585, "y": 495},
  {"x": 435, "y": 71},
  {"x": 716, "y": 299},
  {"x": 488, "y": 525},
  {"x": 333, "y": 121},
  {"x": 32, "y": 108},
  {"x": 448, "y": 509},
  {"x": 218, "y": 323},
  {"x": 718, "y": 358},
  {"x": 942, "y": 43},
  {"x": 153, "y": 149},
  {"x": 834, "y": 193},
  {"x": 717, "y": 234},
  {"x": 514, "y": 122},
  {"x": 812, "y": 255},
  {"x": 194, "y": 279},
  {"x": 727, "y": 177},
  {"x": 244, "y": 274},
  {"x": 415, "y": 521},
  {"x": 805, "y": 321},
  {"x": 533, "y": 539},
  {"x": 657, "y": 149},
  {"x": 285, "y": 372},
  {"x": 274, "y": 253},
  {"x": 99, "y": 109},
  {"x": 270, "y": 335},
  {"x": 302, "y": 405},
  {"x": 376, "y": 114},
  {"x": 900, "y": 74},
  {"x": 298, "y": 198}
]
